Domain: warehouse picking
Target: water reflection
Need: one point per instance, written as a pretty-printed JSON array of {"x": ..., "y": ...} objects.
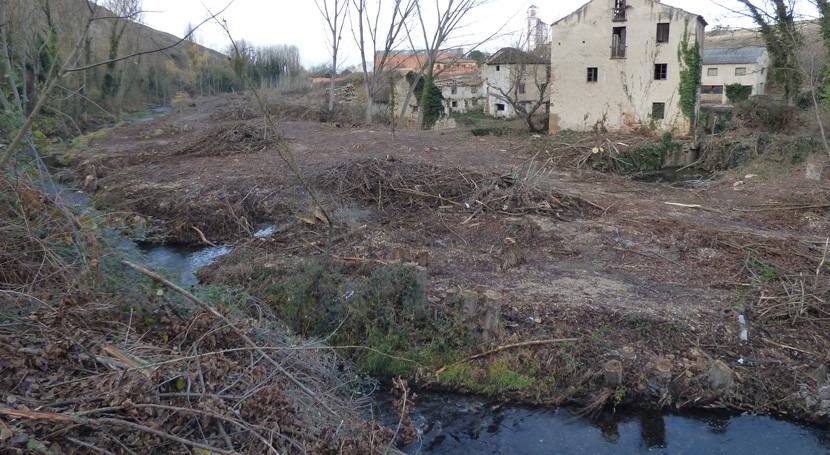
[{"x": 451, "y": 424}]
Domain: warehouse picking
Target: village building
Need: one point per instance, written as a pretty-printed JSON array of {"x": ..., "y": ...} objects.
[
  {"x": 746, "y": 65},
  {"x": 616, "y": 65},
  {"x": 538, "y": 32},
  {"x": 514, "y": 78},
  {"x": 462, "y": 92}
]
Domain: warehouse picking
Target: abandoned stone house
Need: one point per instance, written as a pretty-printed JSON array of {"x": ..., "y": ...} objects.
[
  {"x": 515, "y": 78},
  {"x": 745, "y": 65},
  {"x": 616, "y": 65},
  {"x": 462, "y": 92}
]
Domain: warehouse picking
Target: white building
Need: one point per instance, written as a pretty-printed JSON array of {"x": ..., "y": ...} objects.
[
  {"x": 515, "y": 79},
  {"x": 616, "y": 65},
  {"x": 747, "y": 65}
]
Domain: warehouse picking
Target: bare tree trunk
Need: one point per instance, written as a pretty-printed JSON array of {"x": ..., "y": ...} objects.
[{"x": 334, "y": 13}]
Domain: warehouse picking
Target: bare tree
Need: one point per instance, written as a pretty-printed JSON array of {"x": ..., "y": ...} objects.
[
  {"x": 123, "y": 12},
  {"x": 334, "y": 13},
  {"x": 525, "y": 86},
  {"x": 449, "y": 14},
  {"x": 368, "y": 27}
]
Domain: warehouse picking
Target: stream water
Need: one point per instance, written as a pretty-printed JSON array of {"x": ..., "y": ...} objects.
[{"x": 453, "y": 424}]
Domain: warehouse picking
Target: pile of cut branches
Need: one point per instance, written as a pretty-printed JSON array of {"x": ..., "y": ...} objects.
[
  {"x": 240, "y": 137},
  {"x": 399, "y": 185}
]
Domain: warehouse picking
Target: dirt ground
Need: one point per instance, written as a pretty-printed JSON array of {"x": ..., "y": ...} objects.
[{"x": 653, "y": 275}]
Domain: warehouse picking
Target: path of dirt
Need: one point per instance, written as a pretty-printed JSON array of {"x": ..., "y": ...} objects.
[{"x": 617, "y": 263}]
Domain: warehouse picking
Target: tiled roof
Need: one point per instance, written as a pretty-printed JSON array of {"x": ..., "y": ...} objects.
[{"x": 729, "y": 56}]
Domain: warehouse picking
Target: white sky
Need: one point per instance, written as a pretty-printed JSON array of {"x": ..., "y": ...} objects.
[{"x": 298, "y": 22}]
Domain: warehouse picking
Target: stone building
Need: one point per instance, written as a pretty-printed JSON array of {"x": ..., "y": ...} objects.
[{"x": 616, "y": 65}]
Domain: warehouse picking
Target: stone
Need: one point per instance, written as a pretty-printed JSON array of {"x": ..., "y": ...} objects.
[
  {"x": 813, "y": 171},
  {"x": 720, "y": 375}
]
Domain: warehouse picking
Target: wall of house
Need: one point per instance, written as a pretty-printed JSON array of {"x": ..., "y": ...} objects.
[
  {"x": 625, "y": 91},
  {"x": 756, "y": 77},
  {"x": 467, "y": 98},
  {"x": 504, "y": 78}
]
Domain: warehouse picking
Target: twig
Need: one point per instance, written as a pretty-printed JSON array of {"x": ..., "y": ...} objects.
[
  {"x": 202, "y": 235},
  {"x": 345, "y": 258},
  {"x": 36, "y": 415},
  {"x": 233, "y": 327},
  {"x": 504, "y": 348},
  {"x": 692, "y": 206},
  {"x": 774, "y": 208},
  {"x": 780, "y": 345}
]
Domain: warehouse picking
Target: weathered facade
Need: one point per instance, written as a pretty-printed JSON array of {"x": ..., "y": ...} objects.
[
  {"x": 463, "y": 92},
  {"x": 616, "y": 65},
  {"x": 514, "y": 77},
  {"x": 747, "y": 65}
]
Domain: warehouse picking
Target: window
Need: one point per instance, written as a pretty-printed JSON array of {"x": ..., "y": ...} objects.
[
  {"x": 521, "y": 89},
  {"x": 663, "y": 33},
  {"x": 661, "y": 71},
  {"x": 658, "y": 110},
  {"x": 455, "y": 104},
  {"x": 618, "y": 43},
  {"x": 454, "y": 90},
  {"x": 619, "y": 10},
  {"x": 499, "y": 107},
  {"x": 498, "y": 67},
  {"x": 712, "y": 72},
  {"x": 593, "y": 74},
  {"x": 740, "y": 71},
  {"x": 711, "y": 90}
]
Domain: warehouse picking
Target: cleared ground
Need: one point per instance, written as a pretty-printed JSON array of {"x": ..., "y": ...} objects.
[{"x": 651, "y": 274}]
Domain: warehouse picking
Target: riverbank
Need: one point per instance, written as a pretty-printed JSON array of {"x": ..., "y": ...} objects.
[{"x": 431, "y": 248}]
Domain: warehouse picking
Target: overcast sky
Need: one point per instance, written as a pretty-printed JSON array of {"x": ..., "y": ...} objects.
[{"x": 298, "y": 22}]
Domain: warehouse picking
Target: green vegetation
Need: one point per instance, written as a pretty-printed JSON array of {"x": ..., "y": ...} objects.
[
  {"x": 691, "y": 71},
  {"x": 386, "y": 312},
  {"x": 645, "y": 158},
  {"x": 738, "y": 92},
  {"x": 430, "y": 100}
]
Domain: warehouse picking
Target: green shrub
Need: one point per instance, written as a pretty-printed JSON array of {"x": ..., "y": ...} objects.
[{"x": 738, "y": 92}]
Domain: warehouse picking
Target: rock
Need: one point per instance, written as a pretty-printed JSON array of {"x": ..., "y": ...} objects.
[
  {"x": 813, "y": 171},
  {"x": 158, "y": 132},
  {"x": 481, "y": 312},
  {"x": 720, "y": 375},
  {"x": 820, "y": 374},
  {"x": 824, "y": 408},
  {"x": 612, "y": 374}
]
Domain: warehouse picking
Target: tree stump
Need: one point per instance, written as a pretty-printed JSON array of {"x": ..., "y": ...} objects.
[
  {"x": 481, "y": 312},
  {"x": 612, "y": 374}
]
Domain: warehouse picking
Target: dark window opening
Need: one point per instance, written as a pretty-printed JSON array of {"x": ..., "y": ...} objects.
[
  {"x": 521, "y": 89},
  {"x": 658, "y": 110},
  {"x": 454, "y": 90},
  {"x": 500, "y": 107},
  {"x": 619, "y": 10},
  {"x": 661, "y": 71},
  {"x": 498, "y": 67},
  {"x": 618, "y": 43},
  {"x": 663, "y": 33},
  {"x": 455, "y": 104},
  {"x": 711, "y": 90},
  {"x": 593, "y": 74}
]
